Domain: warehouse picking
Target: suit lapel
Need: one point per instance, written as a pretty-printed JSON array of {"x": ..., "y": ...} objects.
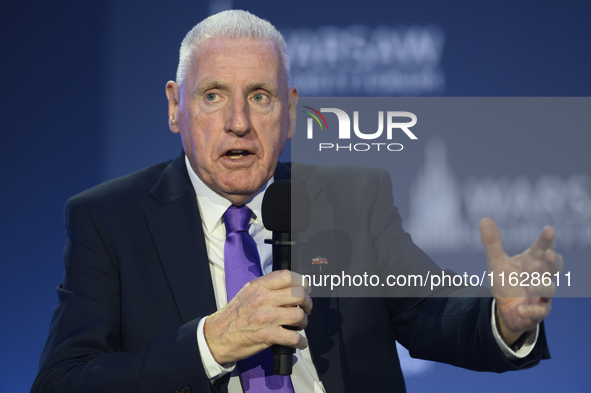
[{"x": 177, "y": 233}]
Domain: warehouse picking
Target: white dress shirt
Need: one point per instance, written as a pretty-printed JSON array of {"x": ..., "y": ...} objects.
[{"x": 212, "y": 206}]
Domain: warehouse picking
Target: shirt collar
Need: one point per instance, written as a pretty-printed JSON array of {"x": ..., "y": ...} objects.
[{"x": 212, "y": 206}]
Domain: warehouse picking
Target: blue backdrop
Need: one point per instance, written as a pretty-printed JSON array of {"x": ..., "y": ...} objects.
[{"x": 83, "y": 101}]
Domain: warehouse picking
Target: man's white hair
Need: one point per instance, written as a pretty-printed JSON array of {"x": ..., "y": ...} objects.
[{"x": 229, "y": 24}]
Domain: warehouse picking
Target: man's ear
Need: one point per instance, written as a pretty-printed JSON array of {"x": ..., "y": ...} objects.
[
  {"x": 293, "y": 103},
  {"x": 172, "y": 93}
]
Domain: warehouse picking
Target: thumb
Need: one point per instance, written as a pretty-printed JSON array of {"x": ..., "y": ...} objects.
[{"x": 491, "y": 238}]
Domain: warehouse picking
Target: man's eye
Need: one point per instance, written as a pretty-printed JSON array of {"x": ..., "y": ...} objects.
[
  {"x": 258, "y": 97},
  {"x": 211, "y": 97}
]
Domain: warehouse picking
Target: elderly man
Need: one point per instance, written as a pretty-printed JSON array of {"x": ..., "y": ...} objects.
[{"x": 147, "y": 303}]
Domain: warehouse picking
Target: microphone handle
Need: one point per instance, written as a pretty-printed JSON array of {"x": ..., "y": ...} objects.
[{"x": 282, "y": 251}]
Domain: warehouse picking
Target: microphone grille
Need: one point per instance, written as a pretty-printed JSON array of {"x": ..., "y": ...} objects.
[{"x": 286, "y": 207}]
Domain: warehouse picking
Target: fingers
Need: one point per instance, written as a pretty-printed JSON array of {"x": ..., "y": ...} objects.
[
  {"x": 297, "y": 280},
  {"x": 557, "y": 262},
  {"x": 518, "y": 315},
  {"x": 290, "y": 304},
  {"x": 541, "y": 256},
  {"x": 288, "y": 316},
  {"x": 491, "y": 238},
  {"x": 281, "y": 279},
  {"x": 293, "y": 316},
  {"x": 543, "y": 243},
  {"x": 293, "y": 297},
  {"x": 554, "y": 260},
  {"x": 289, "y": 338},
  {"x": 541, "y": 291},
  {"x": 286, "y": 290},
  {"x": 536, "y": 312}
]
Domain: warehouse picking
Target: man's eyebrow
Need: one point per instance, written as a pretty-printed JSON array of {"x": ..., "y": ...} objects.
[
  {"x": 201, "y": 88},
  {"x": 213, "y": 83},
  {"x": 263, "y": 85}
]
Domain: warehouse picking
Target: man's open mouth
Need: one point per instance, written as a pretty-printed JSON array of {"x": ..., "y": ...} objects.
[{"x": 237, "y": 154}]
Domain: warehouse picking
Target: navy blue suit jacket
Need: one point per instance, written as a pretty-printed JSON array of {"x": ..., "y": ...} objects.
[{"x": 137, "y": 282}]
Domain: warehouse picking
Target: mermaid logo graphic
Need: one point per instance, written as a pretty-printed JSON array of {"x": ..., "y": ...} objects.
[{"x": 311, "y": 123}]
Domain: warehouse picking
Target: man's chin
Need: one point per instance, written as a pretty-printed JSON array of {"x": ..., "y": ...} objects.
[
  {"x": 238, "y": 198},
  {"x": 243, "y": 189}
]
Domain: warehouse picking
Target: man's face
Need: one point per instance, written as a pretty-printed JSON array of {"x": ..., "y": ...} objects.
[{"x": 234, "y": 112}]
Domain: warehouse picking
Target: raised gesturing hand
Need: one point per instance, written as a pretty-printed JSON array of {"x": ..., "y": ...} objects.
[{"x": 521, "y": 284}]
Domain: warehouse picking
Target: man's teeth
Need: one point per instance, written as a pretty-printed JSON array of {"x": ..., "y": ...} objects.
[{"x": 236, "y": 154}]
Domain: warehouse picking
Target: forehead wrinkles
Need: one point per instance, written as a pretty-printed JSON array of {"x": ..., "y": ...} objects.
[{"x": 224, "y": 50}]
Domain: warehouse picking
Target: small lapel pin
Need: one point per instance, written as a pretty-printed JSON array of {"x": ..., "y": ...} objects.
[{"x": 319, "y": 261}]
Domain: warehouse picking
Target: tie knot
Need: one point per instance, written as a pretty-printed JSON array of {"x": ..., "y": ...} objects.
[{"x": 237, "y": 218}]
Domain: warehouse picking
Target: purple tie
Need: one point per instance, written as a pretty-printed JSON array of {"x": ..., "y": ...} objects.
[{"x": 242, "y": 265}]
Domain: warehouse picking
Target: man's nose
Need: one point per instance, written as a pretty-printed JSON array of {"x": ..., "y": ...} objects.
[{"x": 238, "y": 120}]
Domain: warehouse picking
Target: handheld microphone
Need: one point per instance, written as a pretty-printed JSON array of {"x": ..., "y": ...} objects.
[{"x": 286, "y": 210}]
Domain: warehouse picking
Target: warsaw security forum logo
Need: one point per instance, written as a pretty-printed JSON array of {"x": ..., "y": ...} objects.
[
  {"x": 344, "y": 130},
  {"x": 445, "y": 210},
  {"x": 398, "y": 60}
]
